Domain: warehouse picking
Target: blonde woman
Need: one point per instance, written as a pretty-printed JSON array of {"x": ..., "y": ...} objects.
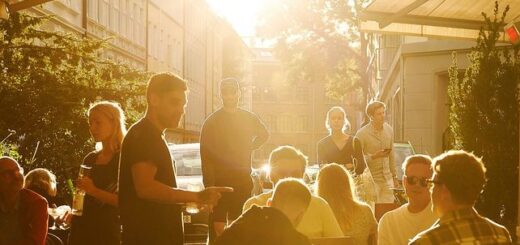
[
  {"x": 339, "y": 146},
  {"x": 99, "y": 223},
  {"x": 356, "y": 219}
]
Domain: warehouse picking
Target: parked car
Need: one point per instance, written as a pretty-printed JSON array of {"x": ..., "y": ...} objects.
[{"x": 189, "y": 177}]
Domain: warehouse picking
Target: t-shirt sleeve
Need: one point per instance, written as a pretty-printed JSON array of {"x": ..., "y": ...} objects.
[{"x": 138, "y": 150}]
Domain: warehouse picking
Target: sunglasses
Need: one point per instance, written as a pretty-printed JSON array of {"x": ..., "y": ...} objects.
[{"x": 412, "y": 180}]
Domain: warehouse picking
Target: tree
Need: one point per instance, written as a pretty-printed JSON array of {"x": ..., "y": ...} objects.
[
  {"x": 318, "y": 41},
  {"x": 47, "y": 82},
  {"x": 484, "y": 117}
]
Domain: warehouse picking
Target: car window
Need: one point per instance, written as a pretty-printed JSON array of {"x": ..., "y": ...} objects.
[{"x": 187, "y": 159}]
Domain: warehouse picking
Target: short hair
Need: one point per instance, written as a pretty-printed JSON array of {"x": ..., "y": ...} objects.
[
  {"x": 346, "y": 124},
  {"x": 288, "y": 152},
  {"x": 292, "y": 191},
  {"x": 229, "y": 82},
  {"x": 417, "y": 159},
  {"x": 462, "y": 173},
  {"x": 115, "y": 114},
  {"x": 165, "y": 82},
  {"x": 40, "y": 178},
  {"x": 373, "y": 106}
]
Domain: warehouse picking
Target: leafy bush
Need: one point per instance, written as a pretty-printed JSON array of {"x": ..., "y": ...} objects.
[
  {"x": 484, "y": 117},
  {"x": 47, "y": 81}
]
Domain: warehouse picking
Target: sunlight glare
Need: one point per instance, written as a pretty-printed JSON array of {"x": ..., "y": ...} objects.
[{"x": 239, "y": 13}]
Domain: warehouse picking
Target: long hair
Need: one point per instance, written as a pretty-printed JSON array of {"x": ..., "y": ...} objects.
[
  {"x": 336, "y": 186},
  {"x": 346, "y": 122},
  {"x": 116, "y": 116}
]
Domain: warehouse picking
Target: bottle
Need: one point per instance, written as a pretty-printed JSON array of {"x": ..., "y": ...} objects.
[{"x": 78, "y": 194}]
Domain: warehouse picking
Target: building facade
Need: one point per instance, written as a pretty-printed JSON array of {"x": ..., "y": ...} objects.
[
  {"x": 183, "y": 37},
  {"x": 293, "y": 113},
  {"x": 410, "y": 74}
]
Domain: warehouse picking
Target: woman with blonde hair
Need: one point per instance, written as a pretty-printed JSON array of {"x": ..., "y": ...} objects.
[
  {"x": 356, "y": 219},
  {"x": 99, "y": 223},
  {"x": 339, "y": 146}
]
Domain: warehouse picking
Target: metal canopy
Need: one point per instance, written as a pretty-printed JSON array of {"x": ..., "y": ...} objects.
[{"x": 437, "y": 18}]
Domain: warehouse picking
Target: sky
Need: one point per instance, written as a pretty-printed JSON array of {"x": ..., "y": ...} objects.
[{"x": 241, "y": 14}]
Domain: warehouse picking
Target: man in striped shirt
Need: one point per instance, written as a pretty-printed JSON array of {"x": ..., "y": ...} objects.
[{"x": 458, "y": 180}]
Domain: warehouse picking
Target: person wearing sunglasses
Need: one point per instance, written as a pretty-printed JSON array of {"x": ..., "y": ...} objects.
[
  {"x": 457, "y": 182},
  {"x": 402, "y": 224}
]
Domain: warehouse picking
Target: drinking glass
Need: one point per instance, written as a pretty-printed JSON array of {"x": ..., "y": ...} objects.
[{"x": 55, "y": 213}]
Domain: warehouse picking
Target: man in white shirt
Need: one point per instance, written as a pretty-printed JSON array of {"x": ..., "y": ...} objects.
[
  {"x": 377, "y": 138},
  {"x": 318, "y": 221},
  {"x": 399, "y": 226}
]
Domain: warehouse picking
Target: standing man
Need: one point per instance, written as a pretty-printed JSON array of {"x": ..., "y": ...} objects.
[
  {"x": 228, "y": 138},
  {"x": 23, "y": 213},
  {"x": 377, "y": 138},
  {"x": 148, "y": 195},
  {"x": 458, "y": 180},
  {"x": 399, "y": 226}
]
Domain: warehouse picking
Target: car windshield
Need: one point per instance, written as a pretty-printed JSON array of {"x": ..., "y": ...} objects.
[{"x": 187, "y": 159}]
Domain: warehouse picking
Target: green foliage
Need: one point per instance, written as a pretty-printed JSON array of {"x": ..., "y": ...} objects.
[
  {"x": 47, "y": 82},
  {"x": 317, "y": 41},
  {"x": 484, "y": 117}
]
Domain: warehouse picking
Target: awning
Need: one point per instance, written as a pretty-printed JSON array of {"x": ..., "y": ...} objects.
[{"x": 434, "y": 18}]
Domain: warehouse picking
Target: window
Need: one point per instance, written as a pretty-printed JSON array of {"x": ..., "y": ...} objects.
[
  {"x": 103, "y": 12},
  {"x": 114, "y": 16},
  {"x": 93, "y": 9}
]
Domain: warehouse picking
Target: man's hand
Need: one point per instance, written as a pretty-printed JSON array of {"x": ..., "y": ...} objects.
[
  {"x": 86, "y": 184},
  {"x": 212, "y": 194},
  {"x": 381, "y": 153}
]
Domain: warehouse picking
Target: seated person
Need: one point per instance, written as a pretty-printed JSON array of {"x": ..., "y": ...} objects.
[
  {"x": 23, "y": 213},
  {"x": 43, "y": 182},
  {"x": 318, "y": 220},
  {"x": 272, "y": 225}
]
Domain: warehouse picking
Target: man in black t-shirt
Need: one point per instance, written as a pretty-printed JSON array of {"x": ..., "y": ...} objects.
[
  {"x": 227, "y": 141},
  {"x": 148, "y": 195}
]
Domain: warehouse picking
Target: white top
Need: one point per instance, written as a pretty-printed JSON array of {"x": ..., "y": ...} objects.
[
  {"x": 399, "y": 226},
  {"x": 318, "y": 220}
]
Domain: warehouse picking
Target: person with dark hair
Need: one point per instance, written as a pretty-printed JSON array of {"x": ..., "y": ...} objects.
[
  {"x": 228, "y": 138},
  {"x": 377, "y": 140},
  {"x": 273, "y": 225},
  {"x": 458, "y": 179},
  {"x": 149, "y": 200},
  {"x": 340, "y": 147},
  {"x": 23, "y": 213},
  {"x": 402, "y": 224},
  {"x": 318, "y": 220},
  {"x": 99, "y": 223}
]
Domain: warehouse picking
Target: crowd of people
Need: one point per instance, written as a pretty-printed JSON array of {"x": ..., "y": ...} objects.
[{"x": 132, "y": 195}]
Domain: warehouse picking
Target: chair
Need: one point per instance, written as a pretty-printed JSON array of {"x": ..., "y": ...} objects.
[
  {"x": 53, "y": 240},
  {"x": 333, "y": 241}
]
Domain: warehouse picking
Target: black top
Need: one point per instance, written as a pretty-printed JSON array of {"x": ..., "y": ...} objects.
[
  {"x": 262, "y": 226},
  {"x": 145, "y": 221},
  {"x": 328, "y": 152},
  {"x": 226, "y": 143},
  {"x": 99, "y": 223}
]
